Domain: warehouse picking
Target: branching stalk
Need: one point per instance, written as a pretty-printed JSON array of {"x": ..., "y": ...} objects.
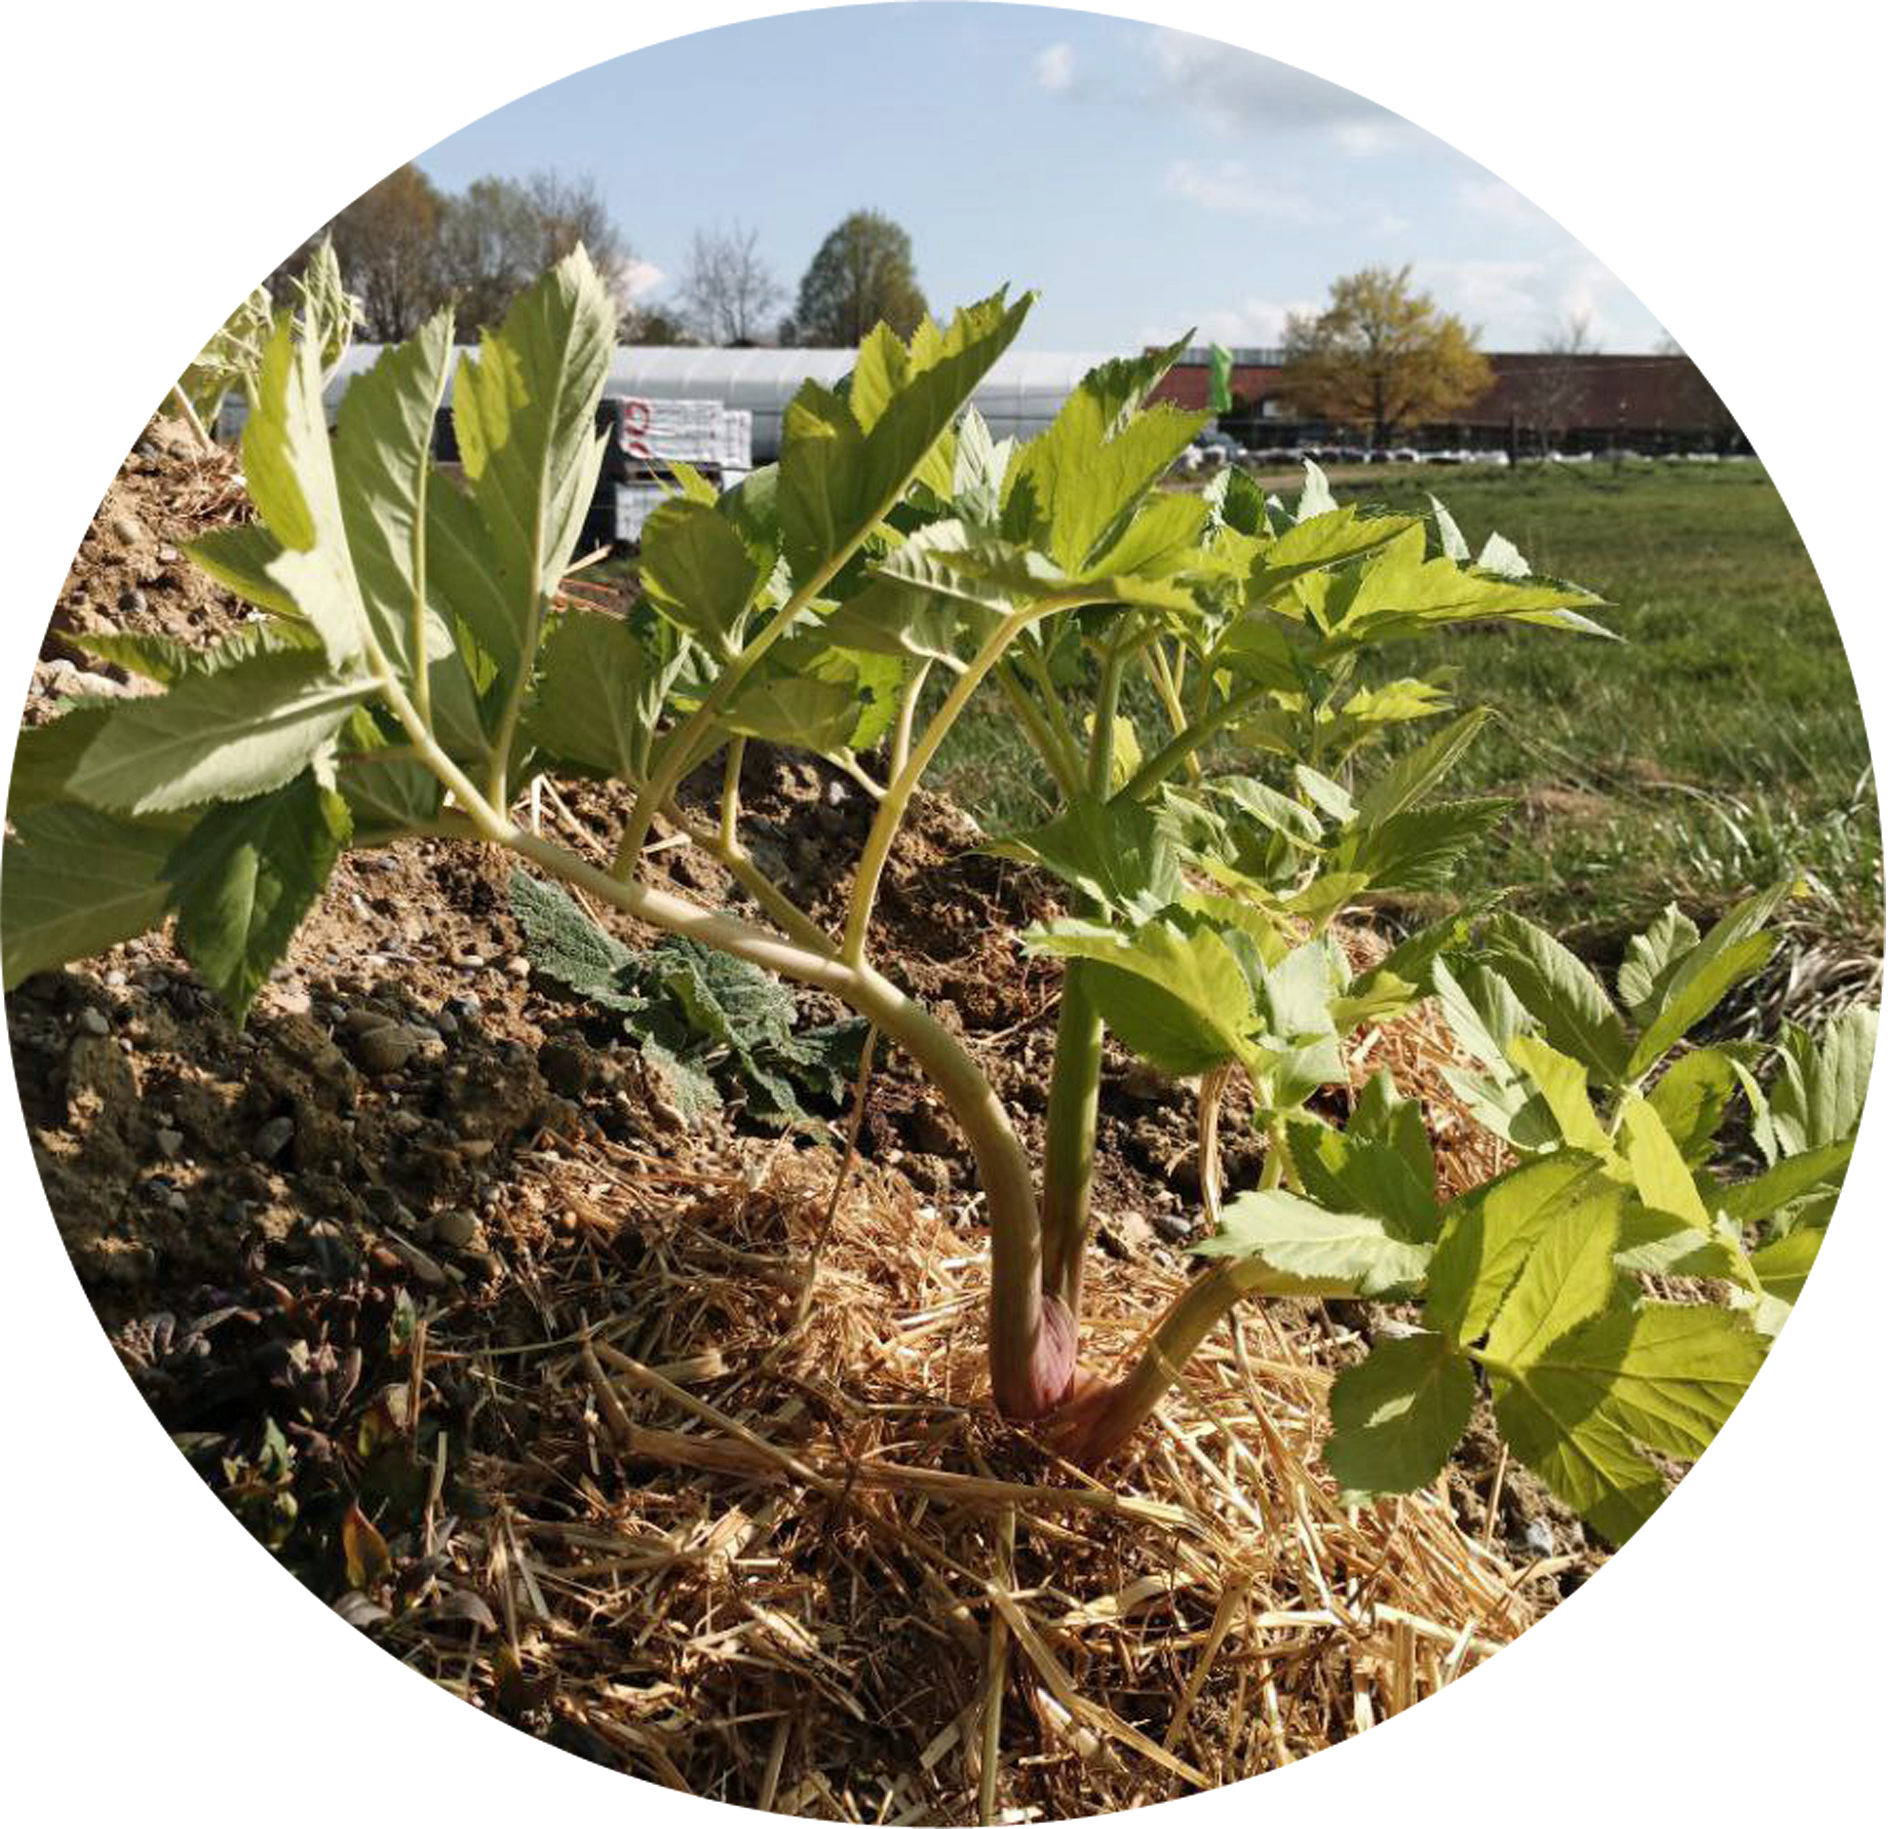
[{"x": 892, "y": 809}]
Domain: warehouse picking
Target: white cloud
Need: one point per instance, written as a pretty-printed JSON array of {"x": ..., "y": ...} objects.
[
  {"x": 1232, "y": 187},
  {"x": 1518, "y": 303},
  {"x": 1055, "y": 67},
  {"x": 640, "y": 279},
  {"x": 1498, "y": 202},
  {"x": 1239, "y": 93},
  {"x": 1254, "y": 322}
]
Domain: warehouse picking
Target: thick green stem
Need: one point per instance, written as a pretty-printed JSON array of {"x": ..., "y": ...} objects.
[
  {"x": 1016, "y": 1313},
  {"x": 1065, "y": 770},
  {"x": 1069, "y": 1150}
]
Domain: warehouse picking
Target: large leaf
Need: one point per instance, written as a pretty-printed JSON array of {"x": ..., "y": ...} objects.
[
  {"x": 383, "y": 468},
  {"x": 696, "y": 569},
  {"x": 1590, "y": 1404},
  {"x": 1176, "y": 997},
  {"x": 1735, "y": 950},
  {"x": 1421, "y": 847},
  {"x": 1322, "y": 1252},
  {"x": 525, "y": 412},
  {"x": 1817, "y": 1095},
  {"x": 78, "y": 881},
  {"x": 246, "y": 875},
  {"x": 598, "y": 696},
  {"x": 1397, "y": 1414},
  {"x": 1488, "y": 1233},
  {"x": 1070, "y": 488},
  {"x": 1114, "y": 853},
  {"x": 838, "y": 477},
  {"x": 289, "y": 467},
  {"x": 219, "y": 736},
  {"x": 1560, "y": 993},
  {"x": 1419, "y": 770},
  {"x": 1651, "y": 959}
]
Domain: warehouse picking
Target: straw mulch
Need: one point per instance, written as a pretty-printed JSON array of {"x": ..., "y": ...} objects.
[{"x": 758, "y": 1536}]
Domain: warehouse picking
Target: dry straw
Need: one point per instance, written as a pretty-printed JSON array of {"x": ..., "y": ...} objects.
[{"x": 762, "y": 1539}]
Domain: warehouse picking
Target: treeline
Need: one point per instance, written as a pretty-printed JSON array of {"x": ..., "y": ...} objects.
[{"x": 407, "y": 247}]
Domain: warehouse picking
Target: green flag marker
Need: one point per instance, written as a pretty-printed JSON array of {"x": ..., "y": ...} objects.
[{"x": 1220, "y": 380}]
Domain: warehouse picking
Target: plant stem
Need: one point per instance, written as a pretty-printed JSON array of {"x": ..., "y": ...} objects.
[
  {"x": 1016, "y": 1315},
  {"x": 732, "y": 793},
  {"x": 1174, "y": 753},
  {"x": 892, "y": 809},
  {"x": 1097, "y": 1424},
  {"x": 190, "y": 418},
  {"x": 1069, "y": 1149}
]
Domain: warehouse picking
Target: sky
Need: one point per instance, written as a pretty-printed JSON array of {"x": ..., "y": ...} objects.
[{"x": 1145, "y": 181}]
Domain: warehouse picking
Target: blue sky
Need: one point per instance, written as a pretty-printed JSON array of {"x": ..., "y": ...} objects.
[{"x": 1143, "y": 179}]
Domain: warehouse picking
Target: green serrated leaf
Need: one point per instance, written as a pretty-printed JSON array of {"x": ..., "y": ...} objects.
[
  {"x": 221, "y": 736},
  {"x": 1397, "y": 1414},
  {"x": 77, "y": 881},
  {"x": 245, "y": 876},
  {"x": 1560, "y": 993},
  {"x": 1349, "y": 1253}
]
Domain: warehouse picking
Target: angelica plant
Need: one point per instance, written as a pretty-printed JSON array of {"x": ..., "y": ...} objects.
[{"x": 418, "y": 668}]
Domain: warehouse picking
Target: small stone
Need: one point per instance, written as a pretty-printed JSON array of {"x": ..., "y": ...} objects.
[
  {"x": 272, "y": 1139},
  {"x": 116, "y": 979},
  {"x": 471, "y": 961},
  {"x": 177, "y": 1203},
  {"x": 168, "y": 555},
  {"x": 360, "y": 1021},
  {"x": 385, "y": 1050},
  {"x": 519, "y": 966},
  {"x": 1539, "y": 1537},
  {"x": 446, "y": 1025},
  {"x": 128, "y": 528},
  {"x": 133, "y": 601},
  {"x": 170, "y": 1144},
  {"x": 456, "y": 1228},
  {"x": 569, "y": 1067},
  {"x": 1176, "y": 1227},
  {"x": 94, "y": 1022}
]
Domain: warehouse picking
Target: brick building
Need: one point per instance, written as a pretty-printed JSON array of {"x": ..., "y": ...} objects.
[{"x": 1651, "y": 404}]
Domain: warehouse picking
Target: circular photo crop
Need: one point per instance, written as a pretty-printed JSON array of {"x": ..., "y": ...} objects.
[{"x": 941, "y": 1015}]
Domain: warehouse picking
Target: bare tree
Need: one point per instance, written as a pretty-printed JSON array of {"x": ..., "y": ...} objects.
[
  {"x": 1553, "y": 386},
  {"x": 727, "y": 290}
]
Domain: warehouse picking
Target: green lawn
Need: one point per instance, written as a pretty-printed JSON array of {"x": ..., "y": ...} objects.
[{"x": 1717, "y": 746}]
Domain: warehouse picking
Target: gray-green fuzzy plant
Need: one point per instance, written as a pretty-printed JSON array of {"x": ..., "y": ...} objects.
[{"x": 418, "y": 668}]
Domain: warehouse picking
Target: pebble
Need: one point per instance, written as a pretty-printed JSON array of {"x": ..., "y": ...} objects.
[
  {"x": 133, "y": 601},
  {"x": 1539, "y": 1537},
  {"x": 272, "y": 1139},
  {"x": 168, "y": 555},
  {"x": 94, "y": 1022},
  {"x": 1177, "y": 1228},
  {"x": 116, "y": 979},
  {"x": 519, "y": 966},
  {"x": 385, "y": 1050},
  {"x": 457, "y": 1228},
  {"x": 127, "y": 528},
  {"x": 170, "y": 1144},
  {"x": 445, "y": 1024}
]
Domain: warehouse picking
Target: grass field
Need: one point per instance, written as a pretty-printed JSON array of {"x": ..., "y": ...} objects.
[{"x": 1714, "y": 748}]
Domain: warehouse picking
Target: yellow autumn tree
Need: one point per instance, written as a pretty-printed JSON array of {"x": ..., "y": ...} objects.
[{"x": 1382, "y": 356}]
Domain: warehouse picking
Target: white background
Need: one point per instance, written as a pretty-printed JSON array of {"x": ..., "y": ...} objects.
[{"x": 1724, "y": 161}]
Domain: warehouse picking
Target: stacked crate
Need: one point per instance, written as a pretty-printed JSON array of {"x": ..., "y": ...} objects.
[{"x": 646, "y": 438}]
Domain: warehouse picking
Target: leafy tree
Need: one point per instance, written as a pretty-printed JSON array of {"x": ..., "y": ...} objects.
[
  {"x": 388, "y": 243},
  {"x": 727, "y": 289},
  {"x": 861, "y": 276},
  {"x": 1382, "y": 356},
  {"x": 653, "y": 325}
]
